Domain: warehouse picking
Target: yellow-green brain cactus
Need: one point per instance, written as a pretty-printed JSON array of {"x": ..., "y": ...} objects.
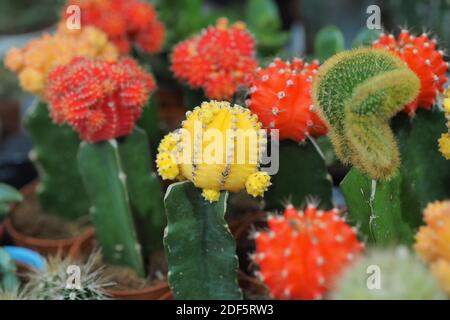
[
  {"x": 218, "y": 148},
  {"x": 357, "y": 92}
]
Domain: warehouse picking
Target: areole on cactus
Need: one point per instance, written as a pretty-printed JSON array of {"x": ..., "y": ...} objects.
[
  {"x": 281, "y": 97},
  {"x": 218, "y": 148},
  {"x": 357, "y": 92},
  {"x": 424, "y": 59},
  {"x": 304, "y": 251}
]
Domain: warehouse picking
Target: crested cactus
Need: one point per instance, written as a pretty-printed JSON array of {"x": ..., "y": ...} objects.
[
  {"x": 218, "y": 148},
  {"x": 303, "y": 252},
  {"x": 200, "y": 249},
  {"x": 357, "y": 92},
  {"x": 432, "y": 241},
  {"x": 112, "y": 101},
  {"x": 387, "y": 274}
]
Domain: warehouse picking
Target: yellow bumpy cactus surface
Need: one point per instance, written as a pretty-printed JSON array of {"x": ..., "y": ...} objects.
[
  {"x": 444, "y": 141},
  {"x": 218, "y": 148},
  {"x": 433, "y": 239},
  {"x": 33, "y": 62}
]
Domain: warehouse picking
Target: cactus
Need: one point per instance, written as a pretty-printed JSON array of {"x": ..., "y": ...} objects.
[
  {"x": 303, "y": 252},
  {"x": 424, "y": 59},
  {"x": 199, "y": 246},
  {"x": 213, "y": 159},
  {"x": 357, "y": 92},
  {"x": 54, "y": 152},
  {"x": 432, "y": 241},
  {"x": 365, "y": 37},
  {"x": 8, "y": 279},
  {"x": 220, "y": 60},
  {"x": 328, "y": 41},
  {"x": 444, "y": 140},
  {"x": 387, "y": 274},
  {"x": 127, "y": 23}
]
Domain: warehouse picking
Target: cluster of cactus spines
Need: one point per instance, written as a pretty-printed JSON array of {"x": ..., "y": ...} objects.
[
  {"x": 126, "y": 22},
  {"x": 387, "y": 274},
  {"x": 444, "y": 140},
  {"x": 432, "y": 241},
  {"x": 183, "y": 153},
  {"x": 303, "y": 252},
  {"x": 281, "y": 97},
  {"x": 220, "y": 60},
  {"x": 100, "y": 100},
  {"x": 424, "y": 59},
  {"x": 33, "y": 62},
  {"x": 357, "y": 92},
  {"x": 52, "y": 282}
]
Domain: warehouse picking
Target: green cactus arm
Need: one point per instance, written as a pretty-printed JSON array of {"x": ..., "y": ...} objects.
[
  {"x": 302, "y": 175},
  {"x": 376, "y": 208},
  {"x": 199, "y": 246},
  {"x": 328, "y": 41},
  {"x": 8, "y": 278},
  {"x": 60, "y": 189},
  {"x": 357, "y": 92},
  {"x": 144, "y": 190},
  {"x": 105, "y": 183}
]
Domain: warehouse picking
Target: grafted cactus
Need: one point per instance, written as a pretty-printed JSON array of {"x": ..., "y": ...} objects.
[{"x": 357, "y": 92}]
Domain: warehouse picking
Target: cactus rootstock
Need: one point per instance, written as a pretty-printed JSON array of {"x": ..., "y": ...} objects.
[
  {"x": 357, "y": 92},
  {"x": 303, "y": 252},
  {"x": 424, "y": 59},
  {"x": 220, "y": 60},
  {"x": 281, "y": 97},
  {"x": 100, "y": 100}
]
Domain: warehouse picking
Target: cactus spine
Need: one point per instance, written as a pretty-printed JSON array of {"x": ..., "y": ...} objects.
[
  {"x": 199, "y": 246},
  {"x": 357, "y": 92},
  {"x": 54, "y": 152}
]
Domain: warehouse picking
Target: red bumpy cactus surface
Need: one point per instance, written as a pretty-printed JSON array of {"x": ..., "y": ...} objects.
[
  {"x": 422, "y": 56},
  {"x": 281, "y": 97},
  {"x": 125, "y": 22},
  {"x": 220, "y": 60},
  {"x": 303, "y": 252},
  {"x": 101, "y": 100}
]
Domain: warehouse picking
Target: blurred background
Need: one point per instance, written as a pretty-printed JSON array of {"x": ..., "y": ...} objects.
[{"x": 282, "y": 27}]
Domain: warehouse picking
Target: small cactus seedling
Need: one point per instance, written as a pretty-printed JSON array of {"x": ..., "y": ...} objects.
[
  {"x": 234, "y": 152},
  {"x": 432, "y": 241},
  {"x": 303, "y": 252},
  {"x": 387, "y": 274},
  {"x": 126, "y": 22},
  {"x": 424, "y": 59},
  {"x": 220, "y": 60},
  {"x": 357, "y": 92},
  {"x": 281, "y": 98}
]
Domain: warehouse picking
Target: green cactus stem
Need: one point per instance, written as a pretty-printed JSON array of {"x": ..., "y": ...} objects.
[
  {"x": 150, "y": 122},
  {"x": 105, "y": 182},
  {"x": 357, "y": 92},
  {"x": 144, "y": 190},
  {"x": 200, "y": 249},
  {"x": 61, "y": 190},
  {"x": 328, "y": 41},
  {"x": 302, "y": 176}
]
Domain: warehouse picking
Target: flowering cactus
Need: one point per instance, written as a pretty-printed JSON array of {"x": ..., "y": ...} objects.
[
  {"x": 33, "y": 62},
  {"x": 281, "y": 97},
  {"x": 219, "y": 60},
  {"x": 422, "y": 56},
  {"x": 387, "y": 274},
  {"x": 304, "y": 251},
  {"x": 126, "y": 22},
  {"x": 432, "y": 241},
  {"x": 181, "y": 157},
  {"x": 99, "y": 99},
  {"x": 357, "y": 92},
  {"x": 444, "y": 140}
]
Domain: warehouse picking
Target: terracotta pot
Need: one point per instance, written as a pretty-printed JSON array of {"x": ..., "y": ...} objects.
[{"x": 45, "y": 247}]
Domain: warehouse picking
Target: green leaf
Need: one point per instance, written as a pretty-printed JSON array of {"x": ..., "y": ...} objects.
[
  {"x": 200, "y": 249},
  {"x": 8, "y": 194},
  {"x": 376, "y": 208},
  {"x": 302, "y": 175},
  {"x": 329, "y": 41}
]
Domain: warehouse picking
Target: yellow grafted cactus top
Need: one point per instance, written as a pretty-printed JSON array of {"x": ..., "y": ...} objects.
[
  {"x": 33, "y": 62},
  {"x": 433, "y": 241},
  {"x": 218, "y": 148},
  {"x": 444, "y": 141}
]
